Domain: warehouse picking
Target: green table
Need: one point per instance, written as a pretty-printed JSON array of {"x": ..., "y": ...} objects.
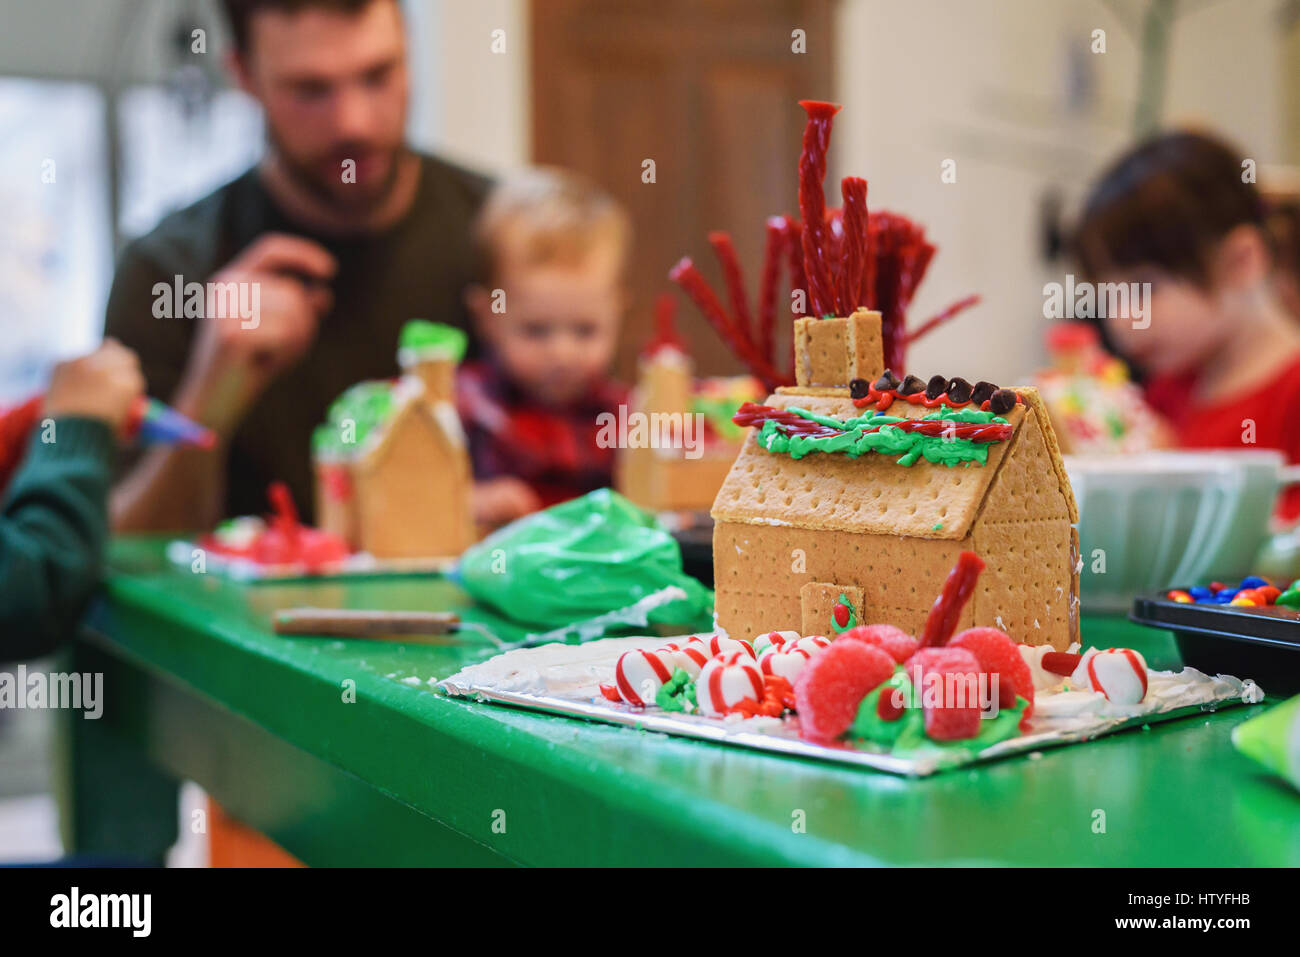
[{"x": 341, "y": 752}]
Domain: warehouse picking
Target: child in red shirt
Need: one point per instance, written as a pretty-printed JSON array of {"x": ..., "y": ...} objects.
[
  {"x": 552, "y": 250},
  {"x": 1219, "y": 354}
]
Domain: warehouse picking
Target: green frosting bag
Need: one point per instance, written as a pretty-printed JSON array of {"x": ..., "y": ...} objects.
[
  {"x": 1273, "y": 739},
  {"x": 588, "y": 567}
]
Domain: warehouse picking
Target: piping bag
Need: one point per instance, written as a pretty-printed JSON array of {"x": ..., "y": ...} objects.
[
  {"x": 148, "y": 422},
  {"x": 589, "y": 567}
]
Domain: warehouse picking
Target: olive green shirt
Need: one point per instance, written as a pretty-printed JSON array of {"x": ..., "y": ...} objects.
[{"x": 417, "y": 269}]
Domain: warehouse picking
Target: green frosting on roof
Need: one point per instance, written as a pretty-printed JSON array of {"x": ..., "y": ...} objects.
[
  {"x": 909, "y": 446},
  {"x": 421, "y": 335},
  {"x": 352, "y": 417}
]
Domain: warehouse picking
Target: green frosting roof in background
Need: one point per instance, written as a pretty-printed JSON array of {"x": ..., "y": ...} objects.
[
  {"x": 421, "y": 335},
  {"x": 352, "y": 417}
]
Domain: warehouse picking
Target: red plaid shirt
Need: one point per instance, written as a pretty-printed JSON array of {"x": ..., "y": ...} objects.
[{"x": 554, "y": 450}]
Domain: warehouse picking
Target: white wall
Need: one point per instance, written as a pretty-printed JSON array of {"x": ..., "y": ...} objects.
[
  {"x": 987, "y": 83},
  {"x": 471, "y": 104}
]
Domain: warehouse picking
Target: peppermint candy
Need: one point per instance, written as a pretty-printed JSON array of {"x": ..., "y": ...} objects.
[
  {"x": 640, "y": 674},
  {"x": 773, "y": 639},
  {"x": 788, "y": 660},
  {"x": 1118, "y": 673},
  {"x": 690, "y": 656},
  {"x": 721, "y": 645},
  {"x": 726, "y": 681}
]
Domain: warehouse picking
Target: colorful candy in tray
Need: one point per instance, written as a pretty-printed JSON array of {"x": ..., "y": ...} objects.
[{"x": 1252, "y": 592}]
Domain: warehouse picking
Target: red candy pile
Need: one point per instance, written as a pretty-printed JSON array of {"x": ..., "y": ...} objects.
[{"x": 830, "y": 689}]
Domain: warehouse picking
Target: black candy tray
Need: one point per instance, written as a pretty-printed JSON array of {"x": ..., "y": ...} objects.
[{"x": 1262, "y": 643}]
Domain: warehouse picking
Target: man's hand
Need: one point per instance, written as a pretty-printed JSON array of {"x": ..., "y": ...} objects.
[
  {"x": 504, "y": 499},
  {"x": 236, "y": 357},
  {"x": 102, "y": 385}
]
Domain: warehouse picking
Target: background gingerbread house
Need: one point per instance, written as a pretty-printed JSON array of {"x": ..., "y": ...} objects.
[
  {"x": 792, "y": 535},
  {"x": 668, "y": 479},
  {"x": 392, "y": 468}
]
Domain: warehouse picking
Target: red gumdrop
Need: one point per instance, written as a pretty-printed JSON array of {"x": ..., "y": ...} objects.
[
  {"x": 998, "y": 654},
  {"x": 831, "y": 686},
  {"x": 890, "y": 639},
  {"x": 948, "y": 684}
]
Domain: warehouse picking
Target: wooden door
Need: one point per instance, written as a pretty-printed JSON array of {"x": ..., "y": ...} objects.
[{"x": 708, "y": 89}]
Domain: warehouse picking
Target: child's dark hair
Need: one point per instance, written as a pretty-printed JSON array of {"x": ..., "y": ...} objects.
[{"x": 1166, "y": 203}]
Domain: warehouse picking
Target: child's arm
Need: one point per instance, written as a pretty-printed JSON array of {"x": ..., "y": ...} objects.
[
  {"x": 53, "y": 526},
  {"x": 54, "y": 515}
]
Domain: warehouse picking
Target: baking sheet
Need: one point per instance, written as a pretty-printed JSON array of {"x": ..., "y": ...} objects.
[{"x": 781, "y": 736}]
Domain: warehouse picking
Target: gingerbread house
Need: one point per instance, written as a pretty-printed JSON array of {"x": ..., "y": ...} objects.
[
  {"x": 392, "y": 468},
  {"x": 824, "y": 506},
  {"x": 682, "y": 475}
]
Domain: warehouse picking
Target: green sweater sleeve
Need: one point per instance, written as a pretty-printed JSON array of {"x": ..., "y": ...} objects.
[{"x": 53, "y": 527}]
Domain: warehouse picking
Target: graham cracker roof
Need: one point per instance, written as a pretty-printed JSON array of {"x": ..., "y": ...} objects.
[{"x": 874, "y": 495}]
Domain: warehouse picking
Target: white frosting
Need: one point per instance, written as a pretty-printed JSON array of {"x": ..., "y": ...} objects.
[
  {"x": 556, "y": 669},
  {"x": 1033, "y": 655}
]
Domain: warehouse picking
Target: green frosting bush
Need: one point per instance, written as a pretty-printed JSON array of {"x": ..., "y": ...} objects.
[
  {"x": 421, "y": 335},
  {"x": 351, "y": 418}
]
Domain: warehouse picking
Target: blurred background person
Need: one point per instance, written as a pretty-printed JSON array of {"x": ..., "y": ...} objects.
[
  {"x": 1220, "y": 352},
  {"x": 344, "y": 231},
  {"x": 552, "y": 252}
]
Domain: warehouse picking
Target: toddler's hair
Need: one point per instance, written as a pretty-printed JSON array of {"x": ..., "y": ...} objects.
[{"x": 548, "y": 217}]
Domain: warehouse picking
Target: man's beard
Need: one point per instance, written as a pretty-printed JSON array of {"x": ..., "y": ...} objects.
[{"x": 330, "y": 187}]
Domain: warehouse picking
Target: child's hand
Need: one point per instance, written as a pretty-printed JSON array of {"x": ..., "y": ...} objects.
[
  {"x": 102, "y": 385},
  {"x": 504, "y": 499}
]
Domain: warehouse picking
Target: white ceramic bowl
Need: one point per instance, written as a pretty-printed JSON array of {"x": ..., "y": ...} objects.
[{"x": 1170, "y": 519}]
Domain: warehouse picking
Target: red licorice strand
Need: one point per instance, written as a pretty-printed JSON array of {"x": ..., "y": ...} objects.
[
  {"x": 751, "y": 414},
  {"x": 694, "y": 284},
  {"x": 925, "y": 328},
  {"x": 812, "y": 204},
  {"x": 833, "y": 252},
  {"x": 947, "y": 609},
  {"x": 853, "y": 190},
  {"x": 767, "y": 287},
  {"x": 734, "y": 279}
]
